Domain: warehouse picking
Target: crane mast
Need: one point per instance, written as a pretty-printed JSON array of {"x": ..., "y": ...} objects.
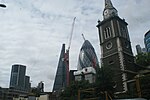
[
  {"x": 72, "y": 28},
  {"x": 67, "y": 53}
]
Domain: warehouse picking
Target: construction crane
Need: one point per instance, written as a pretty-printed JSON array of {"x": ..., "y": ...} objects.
[
  {"x": 67, "y": 52},
  {"x": 71, "y": 33}
]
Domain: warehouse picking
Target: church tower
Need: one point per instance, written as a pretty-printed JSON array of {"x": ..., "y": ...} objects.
[{"x": 115, "y": 44}]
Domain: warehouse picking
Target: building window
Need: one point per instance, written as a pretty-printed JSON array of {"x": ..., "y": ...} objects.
[
  {"x": 107, "y": 32},
  {"x": 111, "y": 62},
  {"x": 15, "y": 69}
]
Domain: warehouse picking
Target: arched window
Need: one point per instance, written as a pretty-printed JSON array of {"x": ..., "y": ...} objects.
[{"x": 107, "y": 32}]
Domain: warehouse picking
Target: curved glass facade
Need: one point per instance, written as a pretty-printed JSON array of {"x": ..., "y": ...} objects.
[
  {"x": 87, "y": 56},
  {"x": 147, "y": 41}
]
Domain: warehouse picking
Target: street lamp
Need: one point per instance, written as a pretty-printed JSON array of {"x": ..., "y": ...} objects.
[{"x": 3, "y": 5}]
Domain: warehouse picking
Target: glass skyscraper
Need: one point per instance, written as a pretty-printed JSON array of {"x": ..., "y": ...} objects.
[
  {"x": 87, "y": 56},
  {"x": 27, "y": 83},
  {"x": 61, "y": 77},
  {"x": 18, "y": 80},
  {"x": 147, "y": 41}
]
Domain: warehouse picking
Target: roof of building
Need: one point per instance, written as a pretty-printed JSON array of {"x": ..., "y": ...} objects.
[
  {"x": 147, "y": 33},
  {"x": 86, "y": 44}
]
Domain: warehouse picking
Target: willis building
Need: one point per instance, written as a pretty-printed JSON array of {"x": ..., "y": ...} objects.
[{"x": 115, "y": 44}]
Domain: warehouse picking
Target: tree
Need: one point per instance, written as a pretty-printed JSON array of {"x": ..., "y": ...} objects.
[
  {"x": 103, "y": 83},
  {"x": 145, "y": 86},
  {"x": 71, "y": 92},
  {"x": 104, "y": 80},
  {"x": 143, "y": 59},
  {"x": 35, "y": 91}
]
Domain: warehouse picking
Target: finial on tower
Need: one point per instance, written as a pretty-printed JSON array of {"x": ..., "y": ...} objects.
[
  {"x": 108, "y": 4},
  {"x": 109, "y": 10}
]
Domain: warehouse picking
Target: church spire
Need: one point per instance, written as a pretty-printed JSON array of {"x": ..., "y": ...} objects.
[
  {"x": 108, "y": 4},
  {"x": 109, "y": 10}
]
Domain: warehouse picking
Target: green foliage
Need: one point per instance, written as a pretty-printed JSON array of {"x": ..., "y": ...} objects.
[
  {"x": 35, "y": 91},
  {"x": 70, "y": 92},
  {"x": 143, "y": 59},
  {"x": 145, "y": 86},
  {"x": 103, "y": 83},
  {"x": 104, "y": 80}
]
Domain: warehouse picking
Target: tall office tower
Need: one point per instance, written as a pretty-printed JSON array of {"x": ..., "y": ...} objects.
[
  {"x": 147, "y": 41},
  {"x": 87, "y": 56},
  {"x": 144, "y": 50},
  {"x": 41, "y": 87},
  {"x": 138, "y": 49},
  {"x": 27, "y": 83},
  {"x": 115, "y": 44},
  {"x": 17, "y": 79},
  {"x": 61, "y": 74}
]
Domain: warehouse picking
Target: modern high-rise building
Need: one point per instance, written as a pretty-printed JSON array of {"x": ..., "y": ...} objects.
[
  {"x": 87, "y": 63},
  {"x": 138, "y": 49},
  {"x": 87, "y": 56},
  {"x": 147, "y": 41},
  {"x": 61, "y": 74},
  {"x": 27, "y": 83},
  {"x": 41, "y": 87},
  {"x": 18, "y": 80},
  {"x": 144, "y": 50},
  {"x": 116, "y": 52}
]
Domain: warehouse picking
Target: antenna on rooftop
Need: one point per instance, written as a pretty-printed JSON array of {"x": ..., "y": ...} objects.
[
  {"x": 83, "y": 37},
  {"x": 72, "y": 29}
]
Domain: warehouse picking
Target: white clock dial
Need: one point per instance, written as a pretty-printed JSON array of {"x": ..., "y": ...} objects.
[
  {"x": 109, "y": 45},
  {"x": 105, "y": 12}
]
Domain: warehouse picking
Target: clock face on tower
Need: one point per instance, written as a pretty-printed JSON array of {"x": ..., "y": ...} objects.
[
  {"x": 109, "y": 45},
  {"x": 110, "y": 12},
  {"x": 105, "y": 12}
]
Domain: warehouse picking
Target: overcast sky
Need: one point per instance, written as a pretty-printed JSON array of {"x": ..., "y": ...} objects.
[{"x": 32, "y": 32}]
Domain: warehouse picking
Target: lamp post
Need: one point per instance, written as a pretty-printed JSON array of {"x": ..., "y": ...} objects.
[{"x": 3, "y": 5}]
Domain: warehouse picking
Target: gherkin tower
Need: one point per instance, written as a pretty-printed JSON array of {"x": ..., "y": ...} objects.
[{"x": 87, "y": 56}]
